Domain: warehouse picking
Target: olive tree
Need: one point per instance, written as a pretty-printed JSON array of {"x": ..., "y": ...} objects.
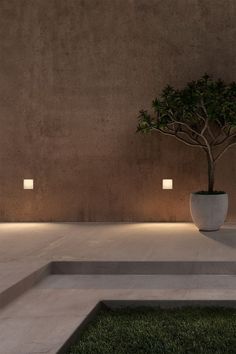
[{"x": 201, "y": 115}]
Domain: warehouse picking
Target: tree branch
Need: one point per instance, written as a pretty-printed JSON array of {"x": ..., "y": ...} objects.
[
  {"x": 207, "y": 119},
  {"x": 228, "y": 137},
  {"x": 184, "y": 124},
  {"x": 204, "y": 108},
  {"x": 223, "y": 151},
  {"x": 188, "y": 127},
  {"x": 179, "y": 138},
  {"x": 183, "y": 132},
  {"x": 205, "y": 126}
]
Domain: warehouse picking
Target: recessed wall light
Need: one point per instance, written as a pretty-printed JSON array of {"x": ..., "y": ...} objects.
[
  {"x": 28, "y": 184},
  {"x": 167, "y": 184}
]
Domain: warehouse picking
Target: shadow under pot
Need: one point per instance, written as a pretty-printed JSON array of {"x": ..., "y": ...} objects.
[{"x": 208, "y": 211}]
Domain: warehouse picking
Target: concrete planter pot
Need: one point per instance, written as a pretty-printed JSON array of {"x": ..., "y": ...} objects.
[{"x": 208, "y": 210}]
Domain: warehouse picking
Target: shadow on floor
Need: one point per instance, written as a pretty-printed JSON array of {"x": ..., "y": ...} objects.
[{"x": 226, "y": 236}]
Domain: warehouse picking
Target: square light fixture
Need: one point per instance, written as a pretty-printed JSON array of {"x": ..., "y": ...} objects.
[
  {"x": 167, "y": 184},
  {"x": 28, "y": 184}
]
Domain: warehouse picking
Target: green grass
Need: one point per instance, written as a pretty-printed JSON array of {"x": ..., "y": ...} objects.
[{"x": 146, "y": 330}]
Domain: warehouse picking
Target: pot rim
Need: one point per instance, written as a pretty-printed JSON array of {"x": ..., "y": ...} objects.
[{"x": 210, "y": 194}]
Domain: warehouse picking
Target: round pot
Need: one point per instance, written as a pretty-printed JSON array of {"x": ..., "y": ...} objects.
[{"x": 208, "y": 211}]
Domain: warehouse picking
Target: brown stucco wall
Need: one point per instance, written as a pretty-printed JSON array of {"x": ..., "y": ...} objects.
[{"x": 73, "y": 75}]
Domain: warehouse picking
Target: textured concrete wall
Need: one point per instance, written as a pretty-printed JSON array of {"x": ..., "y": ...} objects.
[{"x": 73, "y": 75}]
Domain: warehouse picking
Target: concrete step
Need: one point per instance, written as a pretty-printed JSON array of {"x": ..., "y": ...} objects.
[
  {"x": 17, "y": 278},
  {"x": 60, "y": 297}
]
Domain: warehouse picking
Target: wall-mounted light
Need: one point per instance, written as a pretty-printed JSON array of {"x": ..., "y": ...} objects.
[
  {"x": 167, "y": 184},
  {"x": 28, "y": 184}
]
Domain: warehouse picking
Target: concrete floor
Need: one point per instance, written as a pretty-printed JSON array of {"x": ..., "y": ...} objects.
[
  {"x": 44, "y": 317},
  {"x": 30, "y": 242}
]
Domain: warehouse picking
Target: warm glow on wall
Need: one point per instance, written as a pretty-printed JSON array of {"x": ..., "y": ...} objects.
[
  {"x": 28, "y": 184},
  {"x": 167, "y": 184}
]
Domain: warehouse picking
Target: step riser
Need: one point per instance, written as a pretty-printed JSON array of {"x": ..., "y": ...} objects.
[
  {"x": 165, "y": 268},
  {"x": 76, "y": 334},
  {"x": 19, "y": 288},
  {"x": 116, "y": 304}
]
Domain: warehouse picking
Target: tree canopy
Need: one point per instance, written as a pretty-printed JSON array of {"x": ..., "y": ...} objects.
[{"x": 202, "y": 115}]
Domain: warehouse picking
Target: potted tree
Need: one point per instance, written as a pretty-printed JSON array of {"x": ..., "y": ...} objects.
[{"x": 202, "y": 115}]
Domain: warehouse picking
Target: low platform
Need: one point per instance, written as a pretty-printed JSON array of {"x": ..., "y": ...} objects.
[
  {"x": 53, "y": 277},
  {"x": 54, "y": 302}
]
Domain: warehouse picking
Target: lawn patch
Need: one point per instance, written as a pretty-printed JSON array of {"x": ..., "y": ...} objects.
[{"x": 147, "y": 330}]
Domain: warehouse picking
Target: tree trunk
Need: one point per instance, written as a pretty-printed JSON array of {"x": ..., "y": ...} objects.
[{"x": 211, "y": 174}]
